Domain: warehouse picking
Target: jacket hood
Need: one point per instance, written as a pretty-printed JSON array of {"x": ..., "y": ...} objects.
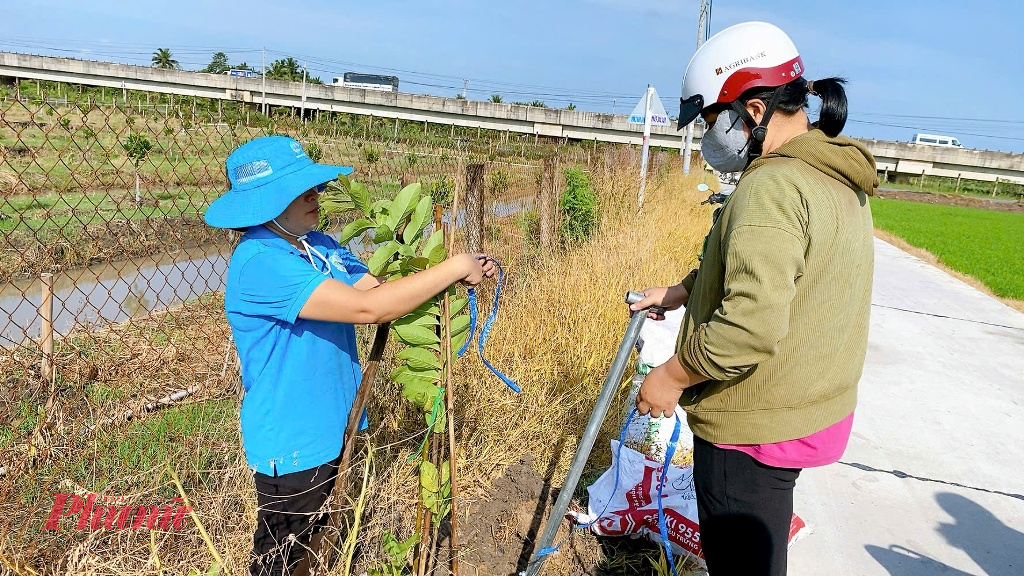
[{"x": 842, "y": 158}]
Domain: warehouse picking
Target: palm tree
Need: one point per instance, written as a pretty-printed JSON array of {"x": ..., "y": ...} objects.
[
  {"x": 163, "y": 58},
  {"x": 285, "y": 69},
  {"x": 496, "y": 98}
]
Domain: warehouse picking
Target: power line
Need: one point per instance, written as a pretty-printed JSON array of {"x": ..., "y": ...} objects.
[{"x": 927, "y": 130}]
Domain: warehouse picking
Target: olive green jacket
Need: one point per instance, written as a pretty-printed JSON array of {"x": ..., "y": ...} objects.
[{"x": 778, "y": 312}]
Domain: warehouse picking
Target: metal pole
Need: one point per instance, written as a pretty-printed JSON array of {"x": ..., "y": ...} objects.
[
  {"x": 263, "y": 100},
  {"x": 302, "y": 108},
  {"x": 644, "y": 153},
  {"x": 604, "y": 400},
  {"x": 702, "y": 30}
]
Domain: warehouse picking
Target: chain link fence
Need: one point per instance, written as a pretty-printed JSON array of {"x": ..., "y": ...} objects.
[{"x": 116, "y": 358}]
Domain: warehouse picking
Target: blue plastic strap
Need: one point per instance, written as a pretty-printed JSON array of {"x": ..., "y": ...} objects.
[
  {"x": 670, "y": 451},
  {"x": 485, "y": 331}
]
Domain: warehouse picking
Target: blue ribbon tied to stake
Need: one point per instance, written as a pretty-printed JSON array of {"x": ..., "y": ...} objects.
[{"x": 485, "y": 331}]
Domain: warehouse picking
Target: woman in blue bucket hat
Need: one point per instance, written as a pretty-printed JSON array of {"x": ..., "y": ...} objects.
[{"x": 293, "y": 295}]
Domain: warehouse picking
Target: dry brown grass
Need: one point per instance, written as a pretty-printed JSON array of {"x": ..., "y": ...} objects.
[{"x": 561, "y": 320}]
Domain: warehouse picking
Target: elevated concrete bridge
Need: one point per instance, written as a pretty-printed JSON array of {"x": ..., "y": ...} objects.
[{"x": 893, "y": 157}]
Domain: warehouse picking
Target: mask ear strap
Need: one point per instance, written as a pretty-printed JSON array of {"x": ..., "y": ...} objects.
[{"x": 758, "y": 132}]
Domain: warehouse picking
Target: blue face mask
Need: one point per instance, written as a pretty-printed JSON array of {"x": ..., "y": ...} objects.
[{"x": 725, "y": 146}]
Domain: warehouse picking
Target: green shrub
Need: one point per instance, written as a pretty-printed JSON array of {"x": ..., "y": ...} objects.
[
  {"x": 578, "y": 207},
  {"x": 441, "y": 190}
]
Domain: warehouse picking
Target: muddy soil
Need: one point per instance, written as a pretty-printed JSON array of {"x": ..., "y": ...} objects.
[{"x": 499, "y": 538}]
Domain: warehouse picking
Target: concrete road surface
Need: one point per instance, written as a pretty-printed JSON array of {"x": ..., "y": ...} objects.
[{"x": 933, "y": 480}]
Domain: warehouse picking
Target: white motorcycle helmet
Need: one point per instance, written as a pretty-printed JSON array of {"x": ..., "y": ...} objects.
[{"x": 741, "y": 57}]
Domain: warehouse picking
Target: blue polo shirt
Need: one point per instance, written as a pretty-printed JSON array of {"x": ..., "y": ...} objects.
[{"x": 300, "y": 376}]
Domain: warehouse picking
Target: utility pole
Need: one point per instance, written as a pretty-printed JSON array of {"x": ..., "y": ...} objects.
[
  {"x": 465, "y": 83},
  {"x": 703, "y": 24},
  {"x": 264, "y": 98},
  {"x": 302, "y": 109}
]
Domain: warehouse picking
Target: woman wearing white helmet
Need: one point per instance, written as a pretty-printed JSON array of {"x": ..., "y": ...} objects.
[{"x": 773, "y": 341}]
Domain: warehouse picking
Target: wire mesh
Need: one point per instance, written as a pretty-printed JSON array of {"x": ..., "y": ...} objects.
[{"x": 102, "y": 193}]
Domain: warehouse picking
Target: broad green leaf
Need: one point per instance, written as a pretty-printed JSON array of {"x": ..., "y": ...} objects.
[
  {"x": 380, "y": 257},
  {"x": 439, "y": 424},
  {"x": 406, "y": 251},
  {"x": 460, "y": 324},
  {"x": 420, "y": 358},
  {"x": 435, "y": 239},
  {"x": 419, "y": 220},
  {"x": 430, "y": 307},
  {"x": 446, "y": 473},
  {"x": 414, "y": 335},
  {"x": 428, "y": 374},
  {"x": 353, "y": 229},
  {"x": 429, "y": 499},
  {"x": 393, "y": 267},
  {"x": 458, "y": 341},
  {"x": 429, "y": 477},
  {"x": 425, "y": 320},
  {"x": 403, "y": 205},
  {"x": 415, "y": 389},
  {"x": 456, "y": 306},
  {"x": 383, "y": 234},
  {"x": 437, "y": 255},
  {"x": 417, "y": 264},
  {"x": 360, "y": 197},
  {"x": 336, "y": 204},
  {"x": 379, "y": 209}
]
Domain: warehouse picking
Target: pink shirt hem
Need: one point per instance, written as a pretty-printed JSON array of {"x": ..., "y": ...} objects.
[{"x": 818, "y": 449}]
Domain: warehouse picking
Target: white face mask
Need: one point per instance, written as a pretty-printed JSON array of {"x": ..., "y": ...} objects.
[
  {"x": 310, "y": 251},
  {"x": 725, "y": 146}
]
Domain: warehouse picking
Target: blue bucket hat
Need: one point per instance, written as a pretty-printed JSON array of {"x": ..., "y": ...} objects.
[{"x": 266, "y": 174}]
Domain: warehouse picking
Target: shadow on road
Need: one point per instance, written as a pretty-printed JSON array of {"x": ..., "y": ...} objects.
[{"x": 994, "y": 546}]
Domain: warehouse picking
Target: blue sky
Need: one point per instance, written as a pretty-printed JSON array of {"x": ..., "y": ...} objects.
[{"x": 937, "y": 66}]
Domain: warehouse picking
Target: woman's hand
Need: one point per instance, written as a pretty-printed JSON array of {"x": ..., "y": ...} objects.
[
  {"x": 665, "y": 297},
  {"x": 477, "y": 267},
  {"x": 659, "y": 394}
]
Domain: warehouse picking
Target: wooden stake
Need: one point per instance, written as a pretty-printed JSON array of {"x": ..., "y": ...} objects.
[
  {"x": 446, "y": 347},
  {"x": 46, "y": 312},
  {"x": 380, "y": 340}
]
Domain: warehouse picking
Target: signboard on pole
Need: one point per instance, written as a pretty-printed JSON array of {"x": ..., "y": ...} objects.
[
  {"x": 657, "y": 111},
  {"x": 649, "y": 112}
]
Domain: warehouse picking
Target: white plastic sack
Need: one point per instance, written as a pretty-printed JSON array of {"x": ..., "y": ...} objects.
[
  {"x": 650, "y": 436},
  {"x": 631, "y": 507},
  {"x": 657, "y": 342}
]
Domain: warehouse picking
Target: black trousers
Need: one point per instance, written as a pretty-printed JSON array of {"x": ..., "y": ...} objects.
[
  {"x": 291, "y": 511},
  {"x": 745, "y": 508}
]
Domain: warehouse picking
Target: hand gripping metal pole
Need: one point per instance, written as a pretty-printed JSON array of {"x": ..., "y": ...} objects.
[{"x": 611, "y": 384}]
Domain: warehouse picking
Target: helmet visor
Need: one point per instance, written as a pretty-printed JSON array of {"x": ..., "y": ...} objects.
[{"x": 689, "y": 109}]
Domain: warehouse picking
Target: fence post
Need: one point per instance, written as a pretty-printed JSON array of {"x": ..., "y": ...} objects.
[
  {"x": 957, "y": 189},
  {"x": 46, "y": 331},
  {"x": 546, "y": 203},
  {"x": 474, "y": 207},
  {"x": 995, "y": 189}
]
